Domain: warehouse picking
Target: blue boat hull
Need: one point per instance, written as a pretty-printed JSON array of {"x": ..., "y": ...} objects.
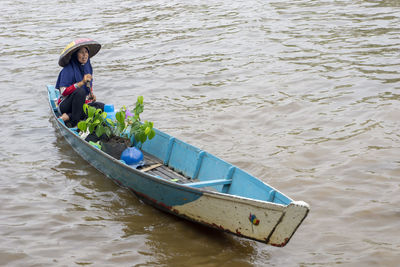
[{"x": 238, "y": 202}]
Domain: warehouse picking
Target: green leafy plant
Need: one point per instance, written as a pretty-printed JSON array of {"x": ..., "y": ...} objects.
[
  {"x": 130, "y": 124},
  {"x": 126, "y": 124},
  {"x": 96, "y": 121}
]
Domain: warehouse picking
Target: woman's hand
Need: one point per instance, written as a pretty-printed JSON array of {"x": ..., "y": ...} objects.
[
  {"x": 92, "y": 97},
  {"x": 87, "y": 78},
  {"x": 65, "y": 117}
]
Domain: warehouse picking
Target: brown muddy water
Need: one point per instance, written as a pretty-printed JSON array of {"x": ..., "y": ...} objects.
[{"x": 302, "y": 94}]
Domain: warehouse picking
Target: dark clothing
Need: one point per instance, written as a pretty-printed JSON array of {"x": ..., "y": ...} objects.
[{"x": 72, "y": 105}]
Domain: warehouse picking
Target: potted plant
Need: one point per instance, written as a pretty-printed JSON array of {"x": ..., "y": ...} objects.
[
  {"x": 96, "y": 124},
  {"x": 116, "y": 135}
]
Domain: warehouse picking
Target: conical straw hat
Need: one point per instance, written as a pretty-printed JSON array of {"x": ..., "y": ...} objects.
[{"x": 73, "y": 46}]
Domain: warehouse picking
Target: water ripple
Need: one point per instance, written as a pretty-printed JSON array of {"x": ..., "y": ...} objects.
[{"x": 303, "y": 94}]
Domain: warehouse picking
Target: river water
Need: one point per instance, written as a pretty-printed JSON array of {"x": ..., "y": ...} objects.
[{"x": 302, "y": 94}]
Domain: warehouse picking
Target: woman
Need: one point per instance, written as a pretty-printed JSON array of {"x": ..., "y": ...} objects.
[{"x": 75, "y": 80}]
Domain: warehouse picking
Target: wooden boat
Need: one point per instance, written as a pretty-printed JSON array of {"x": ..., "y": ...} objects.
[{"x": 184, "y": 180}]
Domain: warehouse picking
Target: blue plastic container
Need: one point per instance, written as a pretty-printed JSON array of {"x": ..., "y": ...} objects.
[
  {"x": 132, "y": 156},
  {"x": 109, "y": 109}
]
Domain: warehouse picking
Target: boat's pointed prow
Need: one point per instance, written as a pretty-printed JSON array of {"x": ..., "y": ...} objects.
[{"x": 292, "y": 217}]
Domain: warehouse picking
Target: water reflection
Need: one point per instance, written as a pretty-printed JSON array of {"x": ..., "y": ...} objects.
[{"x": 175, "y": 242}]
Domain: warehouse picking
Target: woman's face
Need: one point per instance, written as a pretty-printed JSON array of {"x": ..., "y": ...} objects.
[{"x": 83, "y": 55}]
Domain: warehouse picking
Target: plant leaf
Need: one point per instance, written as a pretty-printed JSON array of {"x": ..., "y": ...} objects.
[
  {"x": 152, "y": 134},
  {"x": 85, "y": 108},
  {"x": 91, "y": 128},
  {"x": 139, "y": 109},
  {"x": 108, "y": 131},
  {"x": 91, "y": 111},
  {"x": 143, "y": 138},
  {"x": 99, "y": 131},
  {"x": 140, "y": 99},
  {"x": 109, "y": 121},
  {"x": 82, "y": 125},
  {"x": 120, "y": 116}
]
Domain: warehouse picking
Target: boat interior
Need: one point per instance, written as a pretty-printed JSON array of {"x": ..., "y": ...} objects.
[{"x": 200, "y": 169}]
